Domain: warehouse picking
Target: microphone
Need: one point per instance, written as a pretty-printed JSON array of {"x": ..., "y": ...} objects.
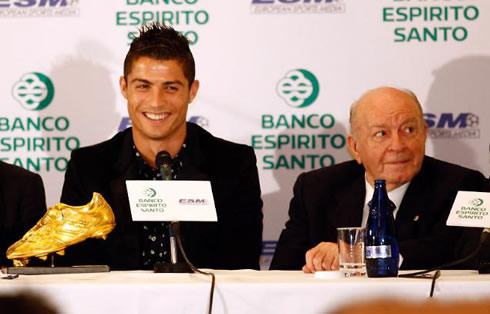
[{"x": 163, "y": 160}]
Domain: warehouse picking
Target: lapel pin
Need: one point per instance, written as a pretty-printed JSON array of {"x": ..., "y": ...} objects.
[{"x": 416, "y": 218}]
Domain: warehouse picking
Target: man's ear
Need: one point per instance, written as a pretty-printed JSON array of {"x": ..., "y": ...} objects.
[
  {"x": 352, "y": 147},
  {"x": 123, "y": 86},
  {"x": 193, "y": 90}
]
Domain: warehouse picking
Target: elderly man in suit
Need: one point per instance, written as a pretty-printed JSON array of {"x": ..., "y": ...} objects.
[{"x": 387, "y": 140}]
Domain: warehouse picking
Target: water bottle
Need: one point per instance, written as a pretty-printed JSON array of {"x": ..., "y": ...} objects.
[{"x": 381, "y": 248}]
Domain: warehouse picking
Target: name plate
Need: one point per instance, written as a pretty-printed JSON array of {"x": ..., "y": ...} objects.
[
  {"x": 470, "y": 209},
  {"x": 171, "y": 200}
]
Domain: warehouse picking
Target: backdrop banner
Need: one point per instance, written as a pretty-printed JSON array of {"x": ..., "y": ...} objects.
[{"x": 279, "y": 75}]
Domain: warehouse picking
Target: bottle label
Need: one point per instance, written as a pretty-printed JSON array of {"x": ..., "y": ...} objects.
[{"x": 378, "y": 251}]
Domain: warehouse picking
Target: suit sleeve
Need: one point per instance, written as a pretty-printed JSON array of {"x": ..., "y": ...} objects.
[
  {"x": 27, "y": 203},
  {"x": 243, "y": 226},
  {"x": 33, "y": 204},
  {"x": 76, "y": 192},
  {"x": 293, "y": 242},
  {"x": 73, "y": 192}
]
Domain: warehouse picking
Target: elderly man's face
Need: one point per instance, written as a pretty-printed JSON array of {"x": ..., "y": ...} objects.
[{"x": 389, "y": 136}]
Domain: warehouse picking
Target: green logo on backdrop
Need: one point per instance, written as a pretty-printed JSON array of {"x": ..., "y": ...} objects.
[
  {"x": 35, "y": 141},
  {"x": 34, "y": 91},
  {"x": 431, "y": 21},
  {"x": 186, "y": 16},
  {"x": 298, "y": 88},
  {"x": 303, "y": 140}
]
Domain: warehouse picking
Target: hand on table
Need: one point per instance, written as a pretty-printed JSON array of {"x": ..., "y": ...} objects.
[{"x": 324, "y": 256}]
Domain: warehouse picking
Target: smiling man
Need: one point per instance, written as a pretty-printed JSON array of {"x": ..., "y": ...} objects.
[
  {"x": 387, "y": 140},
  {"x": 158, "y": 84}
]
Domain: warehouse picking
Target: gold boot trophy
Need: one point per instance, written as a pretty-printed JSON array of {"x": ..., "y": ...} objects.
[{"x": 62, "y": 226}]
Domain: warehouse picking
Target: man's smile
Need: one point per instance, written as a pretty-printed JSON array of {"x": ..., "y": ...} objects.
[{"x": 156, "y": 116}]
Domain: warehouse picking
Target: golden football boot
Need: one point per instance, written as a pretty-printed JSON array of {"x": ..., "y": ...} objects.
[{"x": 62, "y": 226}]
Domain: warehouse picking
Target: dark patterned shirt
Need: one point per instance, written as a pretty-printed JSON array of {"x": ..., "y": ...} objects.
[{"x": 154, "y": 235}]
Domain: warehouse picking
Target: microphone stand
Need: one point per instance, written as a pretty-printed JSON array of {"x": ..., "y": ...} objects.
[
  {"x": 174, "y": 266},
  {"x": 484, "y": 258},
  {"x": 164, "y": 163}
]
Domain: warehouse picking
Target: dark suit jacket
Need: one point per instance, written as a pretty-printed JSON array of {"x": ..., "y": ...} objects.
[
  {"x": 22, "y": 204},
  {"x": 233, "y": 242},
  {"x": 333, "y": 197}
]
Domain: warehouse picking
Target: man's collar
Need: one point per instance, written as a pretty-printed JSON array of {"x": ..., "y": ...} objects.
[
  {"x": 195, "y": 156},
  {"x": 396, "y": 195}
]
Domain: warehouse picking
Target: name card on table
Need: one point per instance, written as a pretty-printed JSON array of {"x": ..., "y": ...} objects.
[
  {"x": 171, "y": 200},
  {"x": 470, "y": 209}
]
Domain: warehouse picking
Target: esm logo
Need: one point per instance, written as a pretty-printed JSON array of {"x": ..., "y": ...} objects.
[
  {"x": 33, "y": 3},
  {"x": 451, "y": 125},
  {"x": 297, "y": 6}
]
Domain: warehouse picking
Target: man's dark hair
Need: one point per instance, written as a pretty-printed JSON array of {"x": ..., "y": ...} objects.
[{"x": 161, "y": 42}]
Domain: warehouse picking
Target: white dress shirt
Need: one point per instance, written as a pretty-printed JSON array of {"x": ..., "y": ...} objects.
[{"x": 396, "y": 196}]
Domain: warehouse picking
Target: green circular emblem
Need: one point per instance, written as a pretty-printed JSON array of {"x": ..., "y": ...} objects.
[
  {"x": 298, "y": 88},
  {"x": 34, "y": 91}
]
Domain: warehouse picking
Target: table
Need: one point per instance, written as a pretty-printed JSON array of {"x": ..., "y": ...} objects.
[{"x": 242, "y": 291}]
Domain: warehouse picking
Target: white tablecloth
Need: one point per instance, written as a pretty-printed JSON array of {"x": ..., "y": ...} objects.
[{"x": 243, "y": 291}]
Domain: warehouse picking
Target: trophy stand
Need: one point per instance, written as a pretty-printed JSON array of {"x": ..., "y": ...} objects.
[{"x": 52, "y": 269}]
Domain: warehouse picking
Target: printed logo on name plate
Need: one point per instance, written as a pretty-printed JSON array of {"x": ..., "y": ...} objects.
[
  {"x": 34, "y": 91},
  {"x": 477, "y": 202},
  {"x": 149, "y": 203},
  {"x": 193, "y": 201},
  {"x": 150, "y": 192},
  {"x": 298, "y": 88}
]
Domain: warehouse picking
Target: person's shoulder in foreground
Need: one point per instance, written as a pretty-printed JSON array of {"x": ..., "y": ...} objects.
[{"x": 22, "y": 204}]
